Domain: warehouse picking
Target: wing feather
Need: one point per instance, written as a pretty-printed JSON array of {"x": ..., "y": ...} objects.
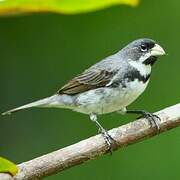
[{"x": 89, "y": 79}]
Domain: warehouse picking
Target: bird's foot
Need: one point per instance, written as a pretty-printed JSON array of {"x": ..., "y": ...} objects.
[
  {"x": 152, "y": 118},
  {"x": 108, "y": 139}
]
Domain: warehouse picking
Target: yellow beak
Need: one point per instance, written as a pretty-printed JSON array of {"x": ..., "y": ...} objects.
[{"x": 157, "y": 50}]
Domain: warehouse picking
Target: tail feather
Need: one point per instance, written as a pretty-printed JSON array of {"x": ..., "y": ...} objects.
[{"x": 40, "y": 103}]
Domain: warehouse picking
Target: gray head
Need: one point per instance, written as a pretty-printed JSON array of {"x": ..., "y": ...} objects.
[{"x": 143, "y": 50}]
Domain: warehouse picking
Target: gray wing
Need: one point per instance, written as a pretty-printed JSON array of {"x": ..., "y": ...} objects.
[{"x": 99, "y": 75}]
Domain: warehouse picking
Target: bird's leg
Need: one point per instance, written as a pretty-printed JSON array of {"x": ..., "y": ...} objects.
[
  {"x": 122, "y": 111},
  {"x": 153, "y": 119},
  {"x": 108, "y": 139}
]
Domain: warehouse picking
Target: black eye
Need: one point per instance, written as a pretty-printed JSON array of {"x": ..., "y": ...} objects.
[{"x": 144, "y": 48}]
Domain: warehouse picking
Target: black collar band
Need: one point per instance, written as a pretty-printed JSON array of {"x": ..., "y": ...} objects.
[
  {"x": 130, "y": 77},
  {"x": 150, "y": 61}
]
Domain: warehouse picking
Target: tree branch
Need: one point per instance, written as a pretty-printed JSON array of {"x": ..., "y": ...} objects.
[{"x": 95, "y": 146}]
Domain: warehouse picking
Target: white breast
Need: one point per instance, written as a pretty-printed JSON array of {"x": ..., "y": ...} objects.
[
  {"x": 109, "y": 99},
  {"x": 106, "y": 100}
]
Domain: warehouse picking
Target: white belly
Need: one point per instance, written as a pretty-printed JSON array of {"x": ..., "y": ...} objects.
[{"x": 107, "y": 100}]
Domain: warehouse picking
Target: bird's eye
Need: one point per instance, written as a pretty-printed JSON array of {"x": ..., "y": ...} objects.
[{"x": 144, "y": 48}]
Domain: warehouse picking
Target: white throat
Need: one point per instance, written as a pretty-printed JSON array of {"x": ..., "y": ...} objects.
[{"x": 142, "y": 68}]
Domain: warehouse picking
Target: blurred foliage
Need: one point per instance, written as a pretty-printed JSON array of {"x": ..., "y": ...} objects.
[
  {"x": 9, "y": 7},
  {"x": 7, "y": 166},
  {"x": 39, "y": 53}
]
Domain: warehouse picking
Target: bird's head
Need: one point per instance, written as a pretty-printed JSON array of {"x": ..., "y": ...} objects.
[{"x": 143, "y": 51}]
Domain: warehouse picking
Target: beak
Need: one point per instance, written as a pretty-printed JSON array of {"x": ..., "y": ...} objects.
[{"x": 157, "y": 50}]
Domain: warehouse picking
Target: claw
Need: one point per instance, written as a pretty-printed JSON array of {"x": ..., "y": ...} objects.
[
  {"x": 152, "y": 119},
  {"x": 108, "y": 139}
]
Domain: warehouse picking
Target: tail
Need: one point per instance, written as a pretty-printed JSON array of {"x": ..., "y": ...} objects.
[{"x": 41, "y": 103}]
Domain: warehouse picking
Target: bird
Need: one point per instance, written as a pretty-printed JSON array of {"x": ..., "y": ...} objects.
[{"x": 108, "y": 86}]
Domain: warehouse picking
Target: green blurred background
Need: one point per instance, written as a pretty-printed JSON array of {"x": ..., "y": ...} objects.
[{"x": 40, "y": 52}]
